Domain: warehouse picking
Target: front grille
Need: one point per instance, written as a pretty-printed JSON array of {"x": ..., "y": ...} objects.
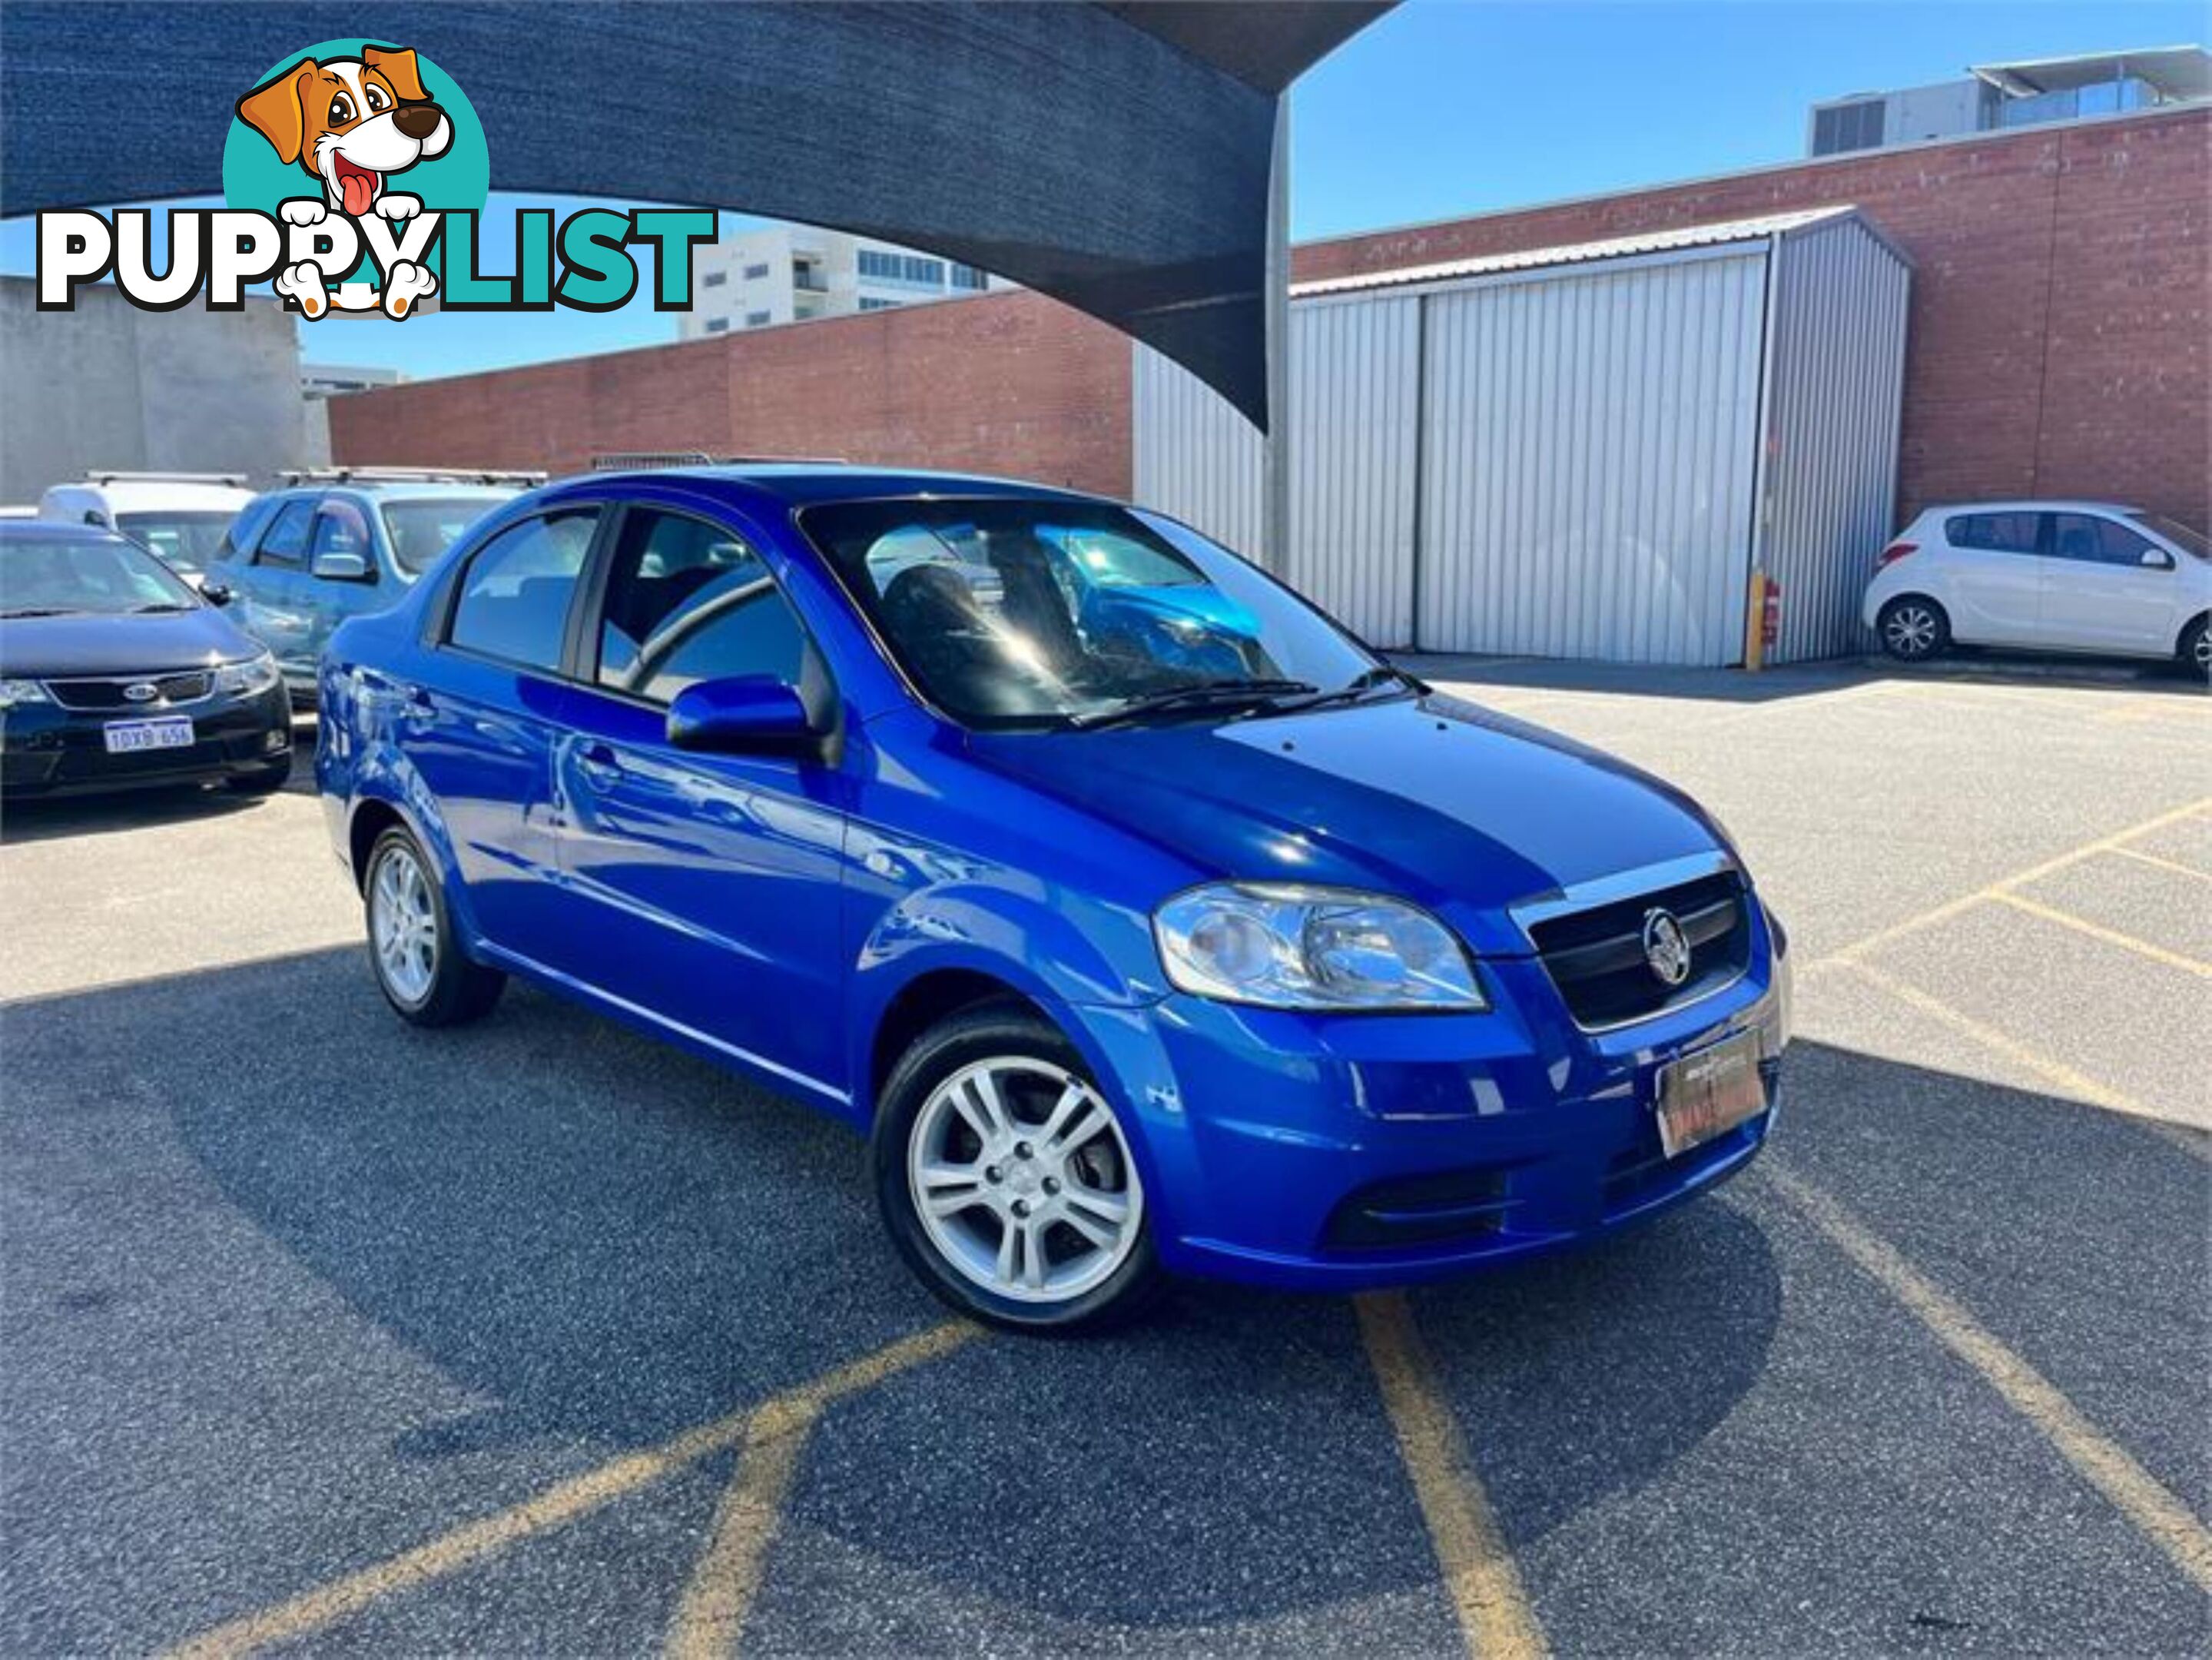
[
  {"x": 1421, "y": 1210},
  {"x": 107, "y": 694},
  {"x": 1595, "y": 957}
]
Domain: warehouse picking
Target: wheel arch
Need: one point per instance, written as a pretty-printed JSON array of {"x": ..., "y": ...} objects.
[
  {"x": 931, "y": 997},
  {"x": 378, "y": 809}
]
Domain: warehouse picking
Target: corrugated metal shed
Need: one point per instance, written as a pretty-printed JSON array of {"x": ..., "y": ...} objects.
[
  {"x": 1671, "y": 240},
  {"x": 1578, "y": 452}
]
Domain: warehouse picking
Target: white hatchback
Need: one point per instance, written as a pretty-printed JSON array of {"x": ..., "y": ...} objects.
[
  {"x": 181, "y": 518},
  {"x": 2073, "y": 576}
]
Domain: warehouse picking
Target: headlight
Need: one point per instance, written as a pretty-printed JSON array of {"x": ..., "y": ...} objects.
[
  {"x": 1785, "y": 987},
  {"x": 1286, "y": 947},
  {"x": 13, "y": 692},
  {"x": 255, "y": 674}
]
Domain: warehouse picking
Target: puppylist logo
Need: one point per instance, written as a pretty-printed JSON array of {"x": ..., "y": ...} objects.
[{"x": 354, "y": 177}]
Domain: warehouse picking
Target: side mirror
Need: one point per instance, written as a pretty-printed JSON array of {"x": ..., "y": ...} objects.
[
  {"x": 216, "y": 593},
  {"x": 339, "y": 568},
  {"x": 749, "y": 714},
  {"x": 2157, "y": 559}
]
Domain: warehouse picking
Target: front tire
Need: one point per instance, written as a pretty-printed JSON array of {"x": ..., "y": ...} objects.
[
  {"x": 1913, "y": 630},
  {"x": 2195, "y": 654},
  {"x": 1006, "y": 1181},
  {"x": 413, "y": 947}
]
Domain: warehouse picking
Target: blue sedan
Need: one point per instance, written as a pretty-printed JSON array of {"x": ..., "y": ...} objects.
[{"x": 1142, "y": 920}]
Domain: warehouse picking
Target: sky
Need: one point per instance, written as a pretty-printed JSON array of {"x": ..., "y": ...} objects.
[{"x": 1447, "y": 107}]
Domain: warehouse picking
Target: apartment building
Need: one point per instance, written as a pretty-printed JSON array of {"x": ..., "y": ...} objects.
[
  {"x": 790, "y": 273},
  {"x": 1998, "y": 97}
]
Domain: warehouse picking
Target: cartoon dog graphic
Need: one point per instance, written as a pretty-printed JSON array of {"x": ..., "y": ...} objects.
[{"x": 351, "y": 123}]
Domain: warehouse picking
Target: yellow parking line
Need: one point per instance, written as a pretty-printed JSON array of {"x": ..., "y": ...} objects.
[
  {"x": 712, "y": 1616},
  {"x": 2157, "y": 863},
  {"x": 559, "y": 1505},
  {"x": 2163, "y": 1518},
  {"x": 1966, "y": 902},
  {"x": 2172, "y": 959},
  {"x": 1495, "y": 1617},
  {"x": 2078, "y": 1084}
]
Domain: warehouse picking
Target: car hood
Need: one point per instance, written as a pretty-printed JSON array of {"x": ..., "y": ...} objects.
[
  {"x": 36, "y": 648},
  {"x": 1459, "y": 809}
]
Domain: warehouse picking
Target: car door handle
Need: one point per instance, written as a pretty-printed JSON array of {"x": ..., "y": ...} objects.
[{"x": 598, "y": 764}]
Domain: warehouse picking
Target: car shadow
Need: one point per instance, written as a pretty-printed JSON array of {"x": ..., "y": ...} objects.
[
  {"x": 601, "y": 1240},
  {"x": 1506, "y": 675},
  {"x": 35, "y": 818}
]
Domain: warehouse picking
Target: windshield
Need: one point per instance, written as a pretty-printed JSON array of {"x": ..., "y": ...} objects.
[
  {"x": 1014, "y": 612},
  {"x": 52, "y": 575},
  {"x": 2188, "y": 540},
  {"x": 183, "y": 541},
  {"x": 423, "y": 528}
]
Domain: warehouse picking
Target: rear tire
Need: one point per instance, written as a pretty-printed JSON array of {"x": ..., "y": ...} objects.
[
  {"x": 413, "y": 947},
  {"x": 1039, "y": 1222},
  {"x": 1913, "y": 628},
  {"x": 2195, "y": 654}
]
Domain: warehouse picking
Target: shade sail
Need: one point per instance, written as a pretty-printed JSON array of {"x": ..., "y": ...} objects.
[{"x": 1114, "y": 156}]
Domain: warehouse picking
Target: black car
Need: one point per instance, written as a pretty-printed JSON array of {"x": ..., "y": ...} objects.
[{"x": 114, "y": 674}]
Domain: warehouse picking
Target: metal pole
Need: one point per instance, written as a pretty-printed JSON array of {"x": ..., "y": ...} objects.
[{"x": 1275, "y": 506}]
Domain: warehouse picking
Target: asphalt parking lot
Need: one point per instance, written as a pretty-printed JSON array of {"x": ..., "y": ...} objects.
[{"x": 324, "y": 1333}]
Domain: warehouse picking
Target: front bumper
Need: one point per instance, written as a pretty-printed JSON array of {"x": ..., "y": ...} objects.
[
  {"x": 1348, "y": 1152},
  {"x": 46, "y": 750}
]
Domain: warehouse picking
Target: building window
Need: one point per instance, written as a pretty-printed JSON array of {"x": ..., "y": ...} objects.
[
  {"x": 968, "y": 276},
  {"x": 1849, "y": 127},
  {"x": 869, "y": 303},
  {"x": 718, "y": 325},
  {"x": 754, "y": 273},
  {"x": 885, "y": 266},
  {"x": 756, "y": 319},
  {"x": 713, "y": 279}
]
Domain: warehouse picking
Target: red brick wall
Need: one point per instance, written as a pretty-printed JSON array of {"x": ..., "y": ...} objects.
[
  {"x": 2059, "y": 339},
  {"x": 1010, "y": 384},
  {"x": 2059, "y": 331}
]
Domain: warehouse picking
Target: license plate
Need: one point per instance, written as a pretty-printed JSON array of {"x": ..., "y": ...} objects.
[
  {"x": 128, "y": 737},
  {"x": 1710, "y": 1093}
]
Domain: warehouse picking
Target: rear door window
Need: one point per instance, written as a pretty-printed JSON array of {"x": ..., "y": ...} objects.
[
  {"x": 251, "y": 519},
  {"x": 1995, "y": 533},
  {"x": 285, "y": 546},
  {"x": 515, "y": 597}
]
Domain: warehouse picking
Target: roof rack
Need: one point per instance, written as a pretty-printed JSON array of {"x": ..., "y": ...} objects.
[
  {"x": 646, "y": 461},
  {"x": 104, "y": 476},
  {"x": 409, "y": 476}
]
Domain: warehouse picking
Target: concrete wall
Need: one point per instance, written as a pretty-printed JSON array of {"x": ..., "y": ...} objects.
[{"x": 109, "y": 386}]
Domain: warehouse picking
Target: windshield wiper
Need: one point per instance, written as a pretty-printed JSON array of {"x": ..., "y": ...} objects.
[
  {"x": 37, "y": 610},
  {"x": 156, "y": 606},
  {"x": 1204, "y": 694},
  {"x": 1382, "y": 678}
]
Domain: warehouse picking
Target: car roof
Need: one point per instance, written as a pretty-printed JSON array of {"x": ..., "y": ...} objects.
[
  {"x": 122, "y": 495},
  {"x": 48, "y": 530},
  {"x": 2038, "y": 504},
  {"x": 390, "y": 490},
  {"x": 800, "y": 484}
]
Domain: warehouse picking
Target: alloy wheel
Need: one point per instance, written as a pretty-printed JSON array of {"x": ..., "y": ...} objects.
[
  {"x": 1022, "y": 1180},
  {"x": 403, "y": 925},
  {"x": 1911, "y": 631}
]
